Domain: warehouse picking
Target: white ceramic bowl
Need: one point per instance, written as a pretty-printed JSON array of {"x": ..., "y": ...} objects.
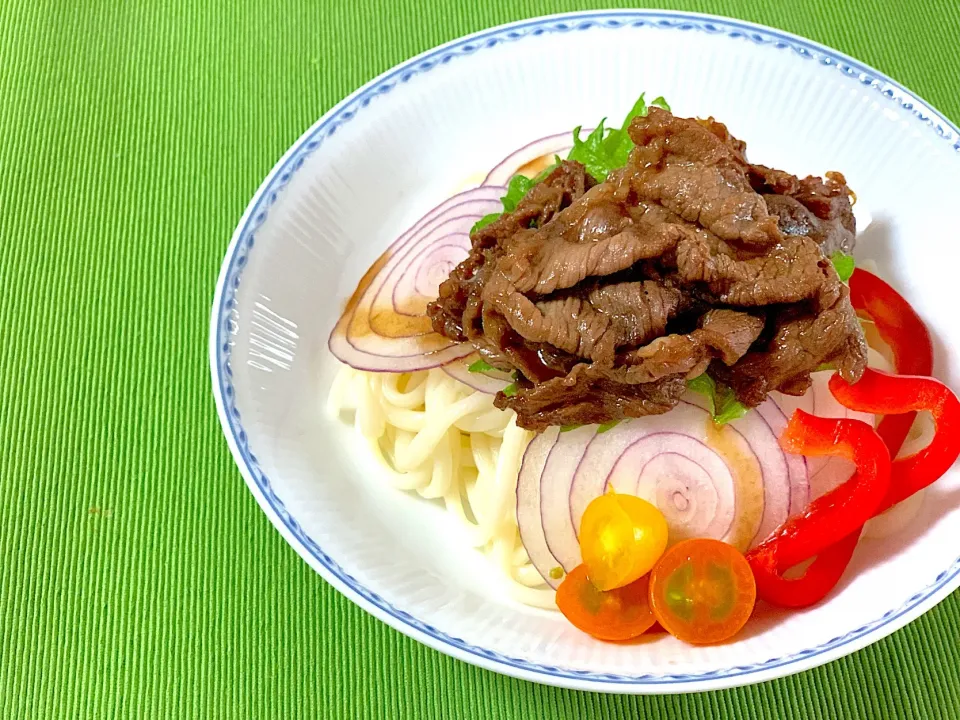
[{"x": 411, "y": 137}]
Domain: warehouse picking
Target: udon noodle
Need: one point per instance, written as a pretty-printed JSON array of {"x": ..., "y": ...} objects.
[{"x": 445, "y": 441}]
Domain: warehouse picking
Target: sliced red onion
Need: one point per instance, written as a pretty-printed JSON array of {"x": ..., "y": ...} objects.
[
  {"x": 528, "y": 504},
  {"x": 777, "y": 490},
  {"x": 799, "y": 479},
  {"x": 384, "y": 327},
  {"x": 559, "y": 526},
  {"x": 488, "y": 381},
  {"x": 687, "y": 480},
  {"x": 559, "y": 144},
  {"x": 671, "y": 460}
]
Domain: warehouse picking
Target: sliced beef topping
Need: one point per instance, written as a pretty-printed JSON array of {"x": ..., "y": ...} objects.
[
  {"x": 593, "y": 237},
  {"x": 607, "y": 297},
  {"x": 730, "y": 333},
  {"x": 813, "y": 207},
  {"x": 583, "y": 397},
  {"x": 689, "y": 170},
  {"x": 739, "y": 147},
  {"x": 722, "y": 334},
  {"x": 801, "y": 342},
  {"x": 792, "y": 270},
  {"x": 595, "y": 324},
  {"x": 457, "y": 302}
]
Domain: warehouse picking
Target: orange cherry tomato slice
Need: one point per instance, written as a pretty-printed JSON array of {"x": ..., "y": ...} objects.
[
  {"x": 614, "y": 615},
  {"x": 702, "y": 591}
]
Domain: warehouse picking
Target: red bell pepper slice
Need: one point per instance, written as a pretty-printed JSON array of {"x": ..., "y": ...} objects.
[
  {"x": 881, "y": 393},
  {"x": 903, "y": 330},
  {"x": 812, "y": 586},
  {"x": 843, "y": 510}
]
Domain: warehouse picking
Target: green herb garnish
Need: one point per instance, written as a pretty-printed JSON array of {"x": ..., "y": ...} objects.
[
  {"x": 568, "y": 428},
  {"x": 660, "y": 102},
  {"x": 605, "y": 149},
  {"x": 510, "y": 390},
  {"x": 518, "y": 187},
  {"x": 484, "y": 221},
  {"x": 480, "y": 366},
  {"x": 843, "y": 264},
  {"x": 724, "y": 405},
  {"x": 607, "y": 426},
  {"x": 601, "y": 151}
]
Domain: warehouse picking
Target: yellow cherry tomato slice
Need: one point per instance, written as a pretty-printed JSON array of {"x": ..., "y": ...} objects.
[
  {"x": 621, "y": 538},
  {"x": 617, "y": 615},
  {"x": 702, "y": 591}
]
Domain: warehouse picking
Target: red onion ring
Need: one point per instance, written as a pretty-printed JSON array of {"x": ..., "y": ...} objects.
[
  {"x": 664, "y": 458},
  {"x": 799, "y": 479},
  {"x": 669, "y": 460},
  {"x": 528, "y": 504},
  {"x": 384, "y": 328},
  {"x": 559, "y": 144},
  {"x": 557, "y": 480}
]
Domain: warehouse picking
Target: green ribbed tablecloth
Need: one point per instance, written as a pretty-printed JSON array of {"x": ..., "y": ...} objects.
[{"x": 139, "y": 578}]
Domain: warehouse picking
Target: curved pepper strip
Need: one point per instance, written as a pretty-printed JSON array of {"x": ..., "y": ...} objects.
[
  {"x": 840, "y": 512},
  {"x": 881, "y": 393},
  {"x": 903, "y": 330}
]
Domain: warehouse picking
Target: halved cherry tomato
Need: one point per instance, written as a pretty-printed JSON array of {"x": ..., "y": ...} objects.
[
  {"x": 621, "y": 537},
  {"x": 702, "y": 591},
  {"x": 620, "y": 614}
]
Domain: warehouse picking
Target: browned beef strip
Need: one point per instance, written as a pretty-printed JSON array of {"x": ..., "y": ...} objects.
[
  {"x": 606, "y": 298},
  {"x": 723, "y": 334},
  {"x": 594, "y": 236},
  {"x": 790, "y": 271},
  {"x": 641, "y": 380},
  {"x": 730, "y": 333},
  {"x": 812, "y": 207},
  {"x": 801, "y": 342},
  {"x": 689, "y": 170},
  {"x": 594, "y": 325},
  {"x": 738, "y": 147},
  {"x": 583, "y": 397}
]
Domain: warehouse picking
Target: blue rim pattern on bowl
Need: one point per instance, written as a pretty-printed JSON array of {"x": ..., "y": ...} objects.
[{"x": 224, "y": 324}]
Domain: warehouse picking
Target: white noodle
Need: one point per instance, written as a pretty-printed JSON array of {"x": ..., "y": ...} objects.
[{"x": 442, "y": 439}]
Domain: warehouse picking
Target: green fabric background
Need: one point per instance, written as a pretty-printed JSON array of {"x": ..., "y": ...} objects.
[{"x": 139, "y": 578}]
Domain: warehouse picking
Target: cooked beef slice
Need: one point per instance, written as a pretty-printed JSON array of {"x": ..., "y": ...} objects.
[
  {"x": 541, "y": 203},
  {"x": 607, "y": 297},
  {"x": 723, "y": 334},
  {"x": 813, "y": 207},
  {"x": 595, "y": 236},
  {"x": 594, "y": 325},
  {"x": 691, "y": 171},
  {"x": 801, "y": 342},
  {"x": 582, "y": 397},
  {"x": 790, "y": 272}
]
